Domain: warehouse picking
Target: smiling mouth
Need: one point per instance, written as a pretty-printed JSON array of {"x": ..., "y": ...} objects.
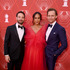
[{"x": 20, "y": 20}]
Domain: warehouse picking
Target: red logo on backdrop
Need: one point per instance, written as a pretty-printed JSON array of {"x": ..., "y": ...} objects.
[
  {"x": 27, "y": 17},
  {"x": 59, "y": 66},
  {"x": 44, "y": 4},
  {"x": 63, "y": 4},
  {"x": 7, "y": 4},
  {"x": 63, "y": 17}
]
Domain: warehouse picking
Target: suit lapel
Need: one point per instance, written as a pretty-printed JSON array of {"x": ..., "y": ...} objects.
[
  {"x": 23, "y": 34},
  {"x": 15, "y": 30}
]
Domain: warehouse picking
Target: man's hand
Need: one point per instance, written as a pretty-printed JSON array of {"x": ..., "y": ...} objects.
[{"x": 7, "y": 58}]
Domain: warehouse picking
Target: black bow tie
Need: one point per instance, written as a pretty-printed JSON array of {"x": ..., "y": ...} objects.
[
  {"x": 49, "y": 25},
  {"x": 20, "y": 27}
]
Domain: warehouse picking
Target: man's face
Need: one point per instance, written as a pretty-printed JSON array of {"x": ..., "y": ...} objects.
[
  {"x": 20, "y": 18},
  {"x": 51, "y": 16}
]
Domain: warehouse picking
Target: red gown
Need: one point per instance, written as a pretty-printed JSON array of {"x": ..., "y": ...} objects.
[{"x": 34, "y": 57}]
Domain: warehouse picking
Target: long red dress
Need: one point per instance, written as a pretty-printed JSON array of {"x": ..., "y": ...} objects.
[{"x": 34, "y": 57}]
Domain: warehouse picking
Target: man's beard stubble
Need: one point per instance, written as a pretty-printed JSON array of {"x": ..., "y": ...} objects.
[{"x": 20, "y": 22}]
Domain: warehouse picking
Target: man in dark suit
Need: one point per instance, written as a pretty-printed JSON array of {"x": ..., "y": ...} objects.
[
  {"x": 54, "y": 35},
  {"x": 14, "y": 43}
]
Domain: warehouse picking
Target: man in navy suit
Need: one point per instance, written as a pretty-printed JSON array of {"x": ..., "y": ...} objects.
[{"x": 54, "y": 35}]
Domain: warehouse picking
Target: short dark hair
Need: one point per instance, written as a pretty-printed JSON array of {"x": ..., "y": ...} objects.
[
  {"x": 37, "y": 13},
  {"x": 20, "y": 12},
  {"x": 52, "y": 9}
]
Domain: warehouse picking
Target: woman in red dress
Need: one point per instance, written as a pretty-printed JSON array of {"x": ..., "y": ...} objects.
[{"x": 34, "y": 57}]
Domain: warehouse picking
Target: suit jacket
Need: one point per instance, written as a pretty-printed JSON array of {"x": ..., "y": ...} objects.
[
  {"x": 12, "y": 45},
  {"x": 57, "y": 35}
]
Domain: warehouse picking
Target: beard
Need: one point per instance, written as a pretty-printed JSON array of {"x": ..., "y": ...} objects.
[{"x": 20, "y": 22}]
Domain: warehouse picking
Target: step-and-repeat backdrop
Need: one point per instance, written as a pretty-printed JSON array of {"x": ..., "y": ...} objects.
[{"x": 8, "y": 10}]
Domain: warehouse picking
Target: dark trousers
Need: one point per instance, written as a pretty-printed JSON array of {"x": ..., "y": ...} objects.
[
  {"x": 15, "y": 64},
  {"x": 50, "y": 61}
]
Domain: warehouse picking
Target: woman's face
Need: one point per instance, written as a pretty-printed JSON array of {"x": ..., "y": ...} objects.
[{"x": 37, "y": 19}]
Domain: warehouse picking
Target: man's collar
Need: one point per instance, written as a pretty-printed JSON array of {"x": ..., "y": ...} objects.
[
  {"x": 19, "y": 24},
  {"x": 53, "y": 23}
]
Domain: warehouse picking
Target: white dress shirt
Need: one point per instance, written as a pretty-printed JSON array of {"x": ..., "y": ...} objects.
[
  {"x": 49, "y": 30},
  {"x": 20, "y": 32}
]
